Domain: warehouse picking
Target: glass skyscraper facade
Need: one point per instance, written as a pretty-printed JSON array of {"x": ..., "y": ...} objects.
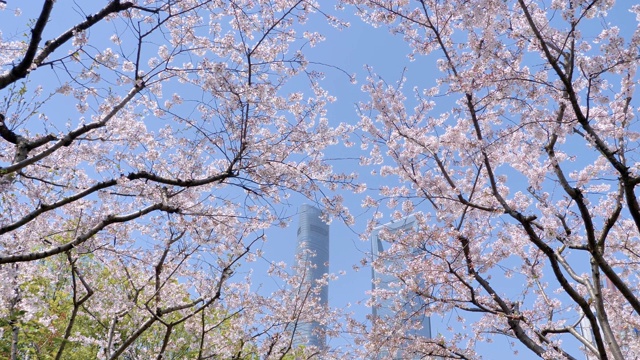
[
  {"x": 381, "y": 239},
  {"x": 313, "y": 251}
]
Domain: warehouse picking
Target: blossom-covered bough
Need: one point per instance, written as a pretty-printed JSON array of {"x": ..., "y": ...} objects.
[
  {"x": 521, "y": 163},
  {"x": 145, "y": 147}
]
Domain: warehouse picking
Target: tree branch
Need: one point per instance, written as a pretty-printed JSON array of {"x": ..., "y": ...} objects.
[
  {"x": 110, "y": 219},
  {"x": 70, "y": 137},
  {"x": 143, "y": 175},
  {"x": 30, "y": 59},
  {"x": 22, "y": 69},
  {"x": 7, "y": 133},
  {"x": 77, "y": 303}
]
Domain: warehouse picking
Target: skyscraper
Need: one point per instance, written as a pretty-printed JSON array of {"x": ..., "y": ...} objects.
[
  {"x": 384, "y": 309},
  {"x": 313, "y": 251}
]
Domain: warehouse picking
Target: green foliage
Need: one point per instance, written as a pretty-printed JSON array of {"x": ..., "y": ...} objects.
[{"x": 41, "y": 334}]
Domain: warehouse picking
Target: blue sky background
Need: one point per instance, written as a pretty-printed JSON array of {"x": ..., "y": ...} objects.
[{"x": 348, "y": 50}]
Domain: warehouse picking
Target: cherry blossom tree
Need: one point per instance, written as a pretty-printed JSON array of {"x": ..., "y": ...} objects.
[
  {"x": 520, "y": 163},
  {"x": 146, "y": 146}
]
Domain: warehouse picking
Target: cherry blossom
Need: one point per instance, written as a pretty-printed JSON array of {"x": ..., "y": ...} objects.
[
  {"x": 519, "y": 162},
  {"x": 146, "y": 147}
]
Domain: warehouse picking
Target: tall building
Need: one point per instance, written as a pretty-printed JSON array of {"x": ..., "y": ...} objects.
[
  {"x": 313, "y": 251},
  {"x": 385, "y": 309}
]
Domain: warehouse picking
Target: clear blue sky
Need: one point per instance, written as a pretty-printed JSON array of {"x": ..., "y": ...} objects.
[{"x": 349, "y": 50}]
